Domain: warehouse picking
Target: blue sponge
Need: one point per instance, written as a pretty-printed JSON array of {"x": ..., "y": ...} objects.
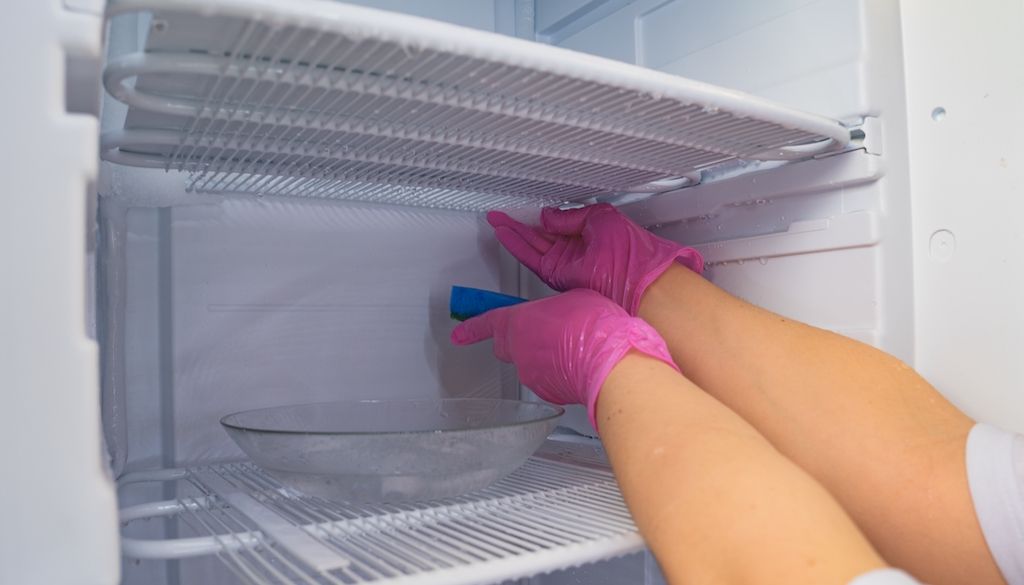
[{"x": 469, "y": 302}]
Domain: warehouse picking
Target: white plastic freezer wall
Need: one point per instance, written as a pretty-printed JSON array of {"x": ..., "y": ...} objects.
[{"x": 964, "y": 96}]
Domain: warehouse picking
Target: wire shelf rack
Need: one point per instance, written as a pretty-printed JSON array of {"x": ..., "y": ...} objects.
[
  {"x": 321, "y": 99},
  {"x": 561, "y": 509}
]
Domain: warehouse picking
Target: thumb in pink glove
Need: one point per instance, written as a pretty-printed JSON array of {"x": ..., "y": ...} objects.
[
  {"x": 564, "y": 346},
  {"x": 594, "y": 247}
]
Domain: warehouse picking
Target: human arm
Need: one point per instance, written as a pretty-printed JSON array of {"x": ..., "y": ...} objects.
[
  {"x": 881, "y": 439},
  {"x": 713, "y": 500}
]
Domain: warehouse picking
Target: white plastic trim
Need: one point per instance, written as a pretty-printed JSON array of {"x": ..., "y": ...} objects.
[
  {"x": 847, "y": 171},
  {"x": 851, "y": 230},
  {"x": 296, "y": 540},
  {"x": 300, "y": 97}
]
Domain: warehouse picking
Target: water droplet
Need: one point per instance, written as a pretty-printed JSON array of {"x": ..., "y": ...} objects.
[
  {"x": 761, "y": 201},
  {"x": 719, "y": 228},
  {"x": 762, "y": 260},
  {"x": 739, "y": 262}
]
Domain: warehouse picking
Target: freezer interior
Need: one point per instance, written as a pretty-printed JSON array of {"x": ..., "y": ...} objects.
[{"x": 238, "y": 264}]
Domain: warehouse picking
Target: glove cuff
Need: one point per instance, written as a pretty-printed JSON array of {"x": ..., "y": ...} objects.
[
  {"x": 688, "y": 257},
  {"x": 637, "y": 335}
]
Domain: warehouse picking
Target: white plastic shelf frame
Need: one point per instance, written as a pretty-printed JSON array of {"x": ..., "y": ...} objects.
[
  {"x": 322, "y": 99},
  {"x": 561, "y": 509}
]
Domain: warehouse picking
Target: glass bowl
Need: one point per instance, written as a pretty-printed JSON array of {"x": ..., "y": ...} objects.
[{"x": 392, "y": 450}]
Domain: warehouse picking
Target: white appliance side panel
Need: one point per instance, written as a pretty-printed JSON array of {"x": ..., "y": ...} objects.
[
  {"x": 965, "y": 87},
  {"x": 808, "y": 54},
  {"x": 60, "y": 519},
  {"x": 282, "y": 302}
]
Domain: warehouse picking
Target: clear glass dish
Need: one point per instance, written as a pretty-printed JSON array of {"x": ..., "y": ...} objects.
[{"x": 392, "y": 450}]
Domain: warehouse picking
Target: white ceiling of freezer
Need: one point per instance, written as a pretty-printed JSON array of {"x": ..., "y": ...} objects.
[{"x": 319, "y": 99}]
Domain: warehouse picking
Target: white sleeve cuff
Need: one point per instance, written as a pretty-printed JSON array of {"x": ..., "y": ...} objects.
[
  {"x": 885, "y": 577},
  {"x": 995, "y": 474}
]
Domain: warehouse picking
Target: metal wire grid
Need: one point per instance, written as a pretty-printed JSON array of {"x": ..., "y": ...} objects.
[
  {"x": 544, "y": 508},
  {"x": 293, "y": 110},
  {"x": 393, "y": 194}
]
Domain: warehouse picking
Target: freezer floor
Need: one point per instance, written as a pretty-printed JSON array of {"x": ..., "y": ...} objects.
[{"x": 561, "y": 509}]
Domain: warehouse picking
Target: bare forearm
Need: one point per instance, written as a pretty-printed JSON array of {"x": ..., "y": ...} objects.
[
  {"x": 867, "y": 426},
  {"x": 705, "y": 487},
  {"x": 731, "y": 348}
]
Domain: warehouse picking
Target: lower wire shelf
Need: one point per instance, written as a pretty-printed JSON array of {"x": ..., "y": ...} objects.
[{"x": 559, "y": 510}]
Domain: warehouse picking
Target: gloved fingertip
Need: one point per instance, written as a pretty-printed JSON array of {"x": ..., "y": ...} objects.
[
  {"x": 497, "y": 218},
  {"x": 548, "y": 213},
  {"x": 567, "y": 222},
  {"x": 459, "y": 336}
]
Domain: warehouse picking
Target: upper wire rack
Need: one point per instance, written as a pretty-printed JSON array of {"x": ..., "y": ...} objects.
[{"x": 319, "y": 99}]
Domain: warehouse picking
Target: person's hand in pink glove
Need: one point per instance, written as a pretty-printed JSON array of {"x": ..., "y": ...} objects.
[
  {"x": 564, "y": 346},
  {"x": 594, "y": 247}
]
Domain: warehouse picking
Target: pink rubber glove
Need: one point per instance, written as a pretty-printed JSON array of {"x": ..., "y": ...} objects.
[
  {"x": 564, "y": 346},
  {"x": 593, "y": 247}
]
